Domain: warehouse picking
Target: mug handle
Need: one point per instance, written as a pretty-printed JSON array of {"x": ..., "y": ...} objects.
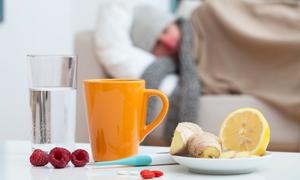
[{"x": 146, "y": 129}]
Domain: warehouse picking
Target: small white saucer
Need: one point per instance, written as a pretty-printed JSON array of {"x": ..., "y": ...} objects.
[{"x": 223, "y": 166}]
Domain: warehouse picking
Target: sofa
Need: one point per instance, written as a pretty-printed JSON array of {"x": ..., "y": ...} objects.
[{"x": 285, "y": 133}]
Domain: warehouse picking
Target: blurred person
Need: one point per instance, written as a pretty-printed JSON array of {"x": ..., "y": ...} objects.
[
  {"x": 240, "y": 47},
  {"x": 230, "y": 46},
  {"x": 170, "y": 40}
]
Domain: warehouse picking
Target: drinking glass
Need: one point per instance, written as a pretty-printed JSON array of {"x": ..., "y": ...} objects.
[{"x": 52, "y": 88}]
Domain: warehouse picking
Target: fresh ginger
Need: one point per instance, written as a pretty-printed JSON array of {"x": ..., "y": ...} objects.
[
  {"x": 181, "y": 136},
  {"x": 204, "y": 145}
]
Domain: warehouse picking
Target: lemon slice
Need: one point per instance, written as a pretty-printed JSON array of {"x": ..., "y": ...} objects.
[{"x": 245, "y": 129}]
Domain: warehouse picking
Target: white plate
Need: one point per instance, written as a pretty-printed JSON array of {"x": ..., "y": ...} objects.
[{"x": 223, "y": 166}]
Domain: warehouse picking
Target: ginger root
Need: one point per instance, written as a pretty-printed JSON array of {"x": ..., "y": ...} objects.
[
  {"x": 204, "y": 145},
  {"x": 181, "y": 136}
]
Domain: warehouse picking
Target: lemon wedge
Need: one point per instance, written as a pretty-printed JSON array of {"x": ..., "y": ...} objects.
[{"x": 245, "y": 129}]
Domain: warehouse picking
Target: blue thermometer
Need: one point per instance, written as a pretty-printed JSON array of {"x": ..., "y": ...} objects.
[{"x": 140, "y": 160}]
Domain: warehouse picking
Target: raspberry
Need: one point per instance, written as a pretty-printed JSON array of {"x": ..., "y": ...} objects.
[
  {"x": 79, "y": 158},
  {"x": 147, "y": 174},
  {"x": 68, "y": 153},
  {"x": 59, "y": 157},
  {"x": 158, "y": 173},
  {"x": 39, "y": 158}
]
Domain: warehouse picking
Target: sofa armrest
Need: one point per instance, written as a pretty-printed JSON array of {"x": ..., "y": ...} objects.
[{"x": 88, "y": 68}]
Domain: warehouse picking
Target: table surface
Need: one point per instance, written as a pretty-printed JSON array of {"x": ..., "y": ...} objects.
[{"x": 14, "y": 165}]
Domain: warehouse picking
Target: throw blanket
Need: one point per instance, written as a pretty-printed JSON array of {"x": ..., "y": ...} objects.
[
  {"x": 113, "y": 45},
  {"x": 251, "y": 47},
  {"x": 184, "y": 101}
]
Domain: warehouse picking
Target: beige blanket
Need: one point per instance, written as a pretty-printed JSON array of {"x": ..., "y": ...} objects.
[{"x": 252, "y": 47}]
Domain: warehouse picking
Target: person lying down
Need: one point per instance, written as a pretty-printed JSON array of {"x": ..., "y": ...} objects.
[
  {"x": 170, "y": 40},
  {"x": 240, "y": 47},
  {"x": 146, "y": 42}
]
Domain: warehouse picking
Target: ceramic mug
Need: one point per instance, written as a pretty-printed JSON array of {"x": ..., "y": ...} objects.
[{"x": 116, "y": 110}]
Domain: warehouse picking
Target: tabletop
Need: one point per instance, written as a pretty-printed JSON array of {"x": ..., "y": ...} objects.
[{"x": 14, "y": 165}]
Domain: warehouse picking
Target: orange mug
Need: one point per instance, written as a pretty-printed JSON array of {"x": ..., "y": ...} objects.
[{"x": 116, "y": 110}]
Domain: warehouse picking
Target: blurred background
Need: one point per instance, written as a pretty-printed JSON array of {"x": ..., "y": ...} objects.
[
  {"x": 37, "y": 27},
  {"x": 250, "y": 51}
]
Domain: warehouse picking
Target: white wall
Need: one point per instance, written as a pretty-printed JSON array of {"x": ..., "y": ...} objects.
[
  {"x": 29, "y": 27},
  {"x": 36, "y": 27}
]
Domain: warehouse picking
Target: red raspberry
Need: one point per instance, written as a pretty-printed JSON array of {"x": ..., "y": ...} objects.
[
  {"x": 158, "y": 173},
  {"x": 59, "y": 157},
  {"x": 79, "y": 158},
  {"x": 147, "y": 174},
  {"x": 39, "y": 158},
  {"x": 68, "y": 153}
]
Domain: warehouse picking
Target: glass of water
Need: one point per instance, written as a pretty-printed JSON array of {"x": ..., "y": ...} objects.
[{"x": 52, "y": 88}]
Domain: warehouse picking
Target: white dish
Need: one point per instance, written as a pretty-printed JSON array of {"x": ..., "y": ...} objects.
[{"x": 223, "y": 166}]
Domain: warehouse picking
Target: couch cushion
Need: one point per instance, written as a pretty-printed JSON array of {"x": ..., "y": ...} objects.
[{"x": 285, "y": 133}]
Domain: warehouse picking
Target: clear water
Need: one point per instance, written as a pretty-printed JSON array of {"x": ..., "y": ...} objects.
[{"x": 53, "y": 117}]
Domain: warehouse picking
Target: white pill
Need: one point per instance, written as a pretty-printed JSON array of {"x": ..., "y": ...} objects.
[
  {"x": 123, "y": 173},
  {"x": 135, "y": 173}
]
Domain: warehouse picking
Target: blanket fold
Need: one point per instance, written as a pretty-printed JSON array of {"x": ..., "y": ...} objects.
[{"x": 251, "y": 47}]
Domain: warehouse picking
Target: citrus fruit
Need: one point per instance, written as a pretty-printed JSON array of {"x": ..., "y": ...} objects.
[{"x": 245, "y": 129}]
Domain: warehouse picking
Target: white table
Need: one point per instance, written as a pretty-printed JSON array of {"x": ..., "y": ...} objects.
[{"x": 14, "y": 165}]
